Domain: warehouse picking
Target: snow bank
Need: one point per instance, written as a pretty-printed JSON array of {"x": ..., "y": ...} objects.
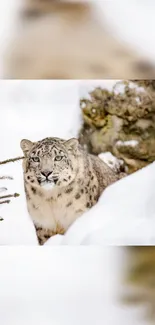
[
  {"x": 63, "y": 286},
  {"x": 58, "y": 287},
  {"x": 124, "y": 215}
]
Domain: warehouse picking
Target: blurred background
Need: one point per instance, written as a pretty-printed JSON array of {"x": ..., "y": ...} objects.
[
  {"x": 139, "y": 280},
  {"x": 73, "y": 39},
  {"x": 66, "y": 286}
]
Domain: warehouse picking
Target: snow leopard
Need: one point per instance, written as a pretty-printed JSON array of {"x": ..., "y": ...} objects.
[{"x": 62, "y": 181}]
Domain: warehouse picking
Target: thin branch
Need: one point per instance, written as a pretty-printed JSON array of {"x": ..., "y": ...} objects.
[
  {"x": 10, "y": 160},
  {"x": 9, "y": 195},
  {"x": 6, "y": 201},
  {"x": 3, "y": 189},
  {"x": 6, "y": 177}
]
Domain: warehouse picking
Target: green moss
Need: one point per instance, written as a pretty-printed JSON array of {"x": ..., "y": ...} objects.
[{"x": 108, "y": 124}]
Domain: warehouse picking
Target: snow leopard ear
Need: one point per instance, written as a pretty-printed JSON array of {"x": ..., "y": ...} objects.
[
  {"x": 26, "y": 146},
  {"x": 72, "y": 144}
]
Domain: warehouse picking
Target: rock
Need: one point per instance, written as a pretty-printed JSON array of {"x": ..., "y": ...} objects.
[
  {"x": 121, "y": 121},
  {"x": 139, "y": 279}
]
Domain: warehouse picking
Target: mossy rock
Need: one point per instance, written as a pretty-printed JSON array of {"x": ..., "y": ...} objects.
[
  {"x": 139, "y": 279},
  {"x": 126, "y": 114}
]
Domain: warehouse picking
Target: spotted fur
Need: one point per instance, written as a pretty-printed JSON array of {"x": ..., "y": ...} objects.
[{"x": 75, "y": 178}]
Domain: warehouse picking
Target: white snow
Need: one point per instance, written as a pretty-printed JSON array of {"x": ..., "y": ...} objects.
[
  {"x": 59, "y": 287},
  {"x": 87, "y": 86},
  {"x": 130, "y": 143},
  {"x": 111, "y": 160},
  {"x": 132, "y": 22},
  {"x": 63, "y": 286},
  {"x": 119, "y": 88},
  {"x": 140, "y": 89},
  {"x": 124, "y": 215},
  {"x": 138, "y": 100}
]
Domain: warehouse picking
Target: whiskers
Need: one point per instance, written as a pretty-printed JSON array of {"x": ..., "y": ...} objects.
[{"x": 49, "y": 182}]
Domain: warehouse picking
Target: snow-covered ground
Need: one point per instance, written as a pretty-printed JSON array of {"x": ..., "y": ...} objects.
[
  {"x": 132, "y": 22},
  {"x": 125, "y": 213},
  {"x": 63, "y": 286}
]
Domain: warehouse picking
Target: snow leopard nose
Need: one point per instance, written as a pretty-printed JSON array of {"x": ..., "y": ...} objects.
[{"x": 46, "y": 173}]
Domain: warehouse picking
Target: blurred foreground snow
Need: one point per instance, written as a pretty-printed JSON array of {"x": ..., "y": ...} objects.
[{"x": 63, "y": 286}]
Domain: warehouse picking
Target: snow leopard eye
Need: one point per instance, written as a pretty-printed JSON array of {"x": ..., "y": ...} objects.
[
  {"x": 35, "y": 159},
  {"x": 58, "y": 158}
]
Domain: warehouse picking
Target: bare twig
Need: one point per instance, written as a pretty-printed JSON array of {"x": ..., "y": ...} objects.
[
  {"x": 9, "y": 195},
  {"x": 3, "y": 189},
  {"x": 6, "y": 177},
  {"x": 10, "y": 160},
  {"x": 6, "y": 201},
  {"x": 10, "y": 178}
]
